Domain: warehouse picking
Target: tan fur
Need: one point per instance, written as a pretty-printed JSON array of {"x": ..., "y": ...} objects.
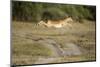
[{"x": 57, "y": 23}]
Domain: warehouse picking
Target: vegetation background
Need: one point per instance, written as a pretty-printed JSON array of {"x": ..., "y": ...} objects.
[{"x": 35, "y": 11}]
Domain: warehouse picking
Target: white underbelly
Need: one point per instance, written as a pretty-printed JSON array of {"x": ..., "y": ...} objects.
[{"x": 58, "y": 26}]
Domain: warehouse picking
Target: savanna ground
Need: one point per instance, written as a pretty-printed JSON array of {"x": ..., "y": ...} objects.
[{"x": 33, "y": 44}]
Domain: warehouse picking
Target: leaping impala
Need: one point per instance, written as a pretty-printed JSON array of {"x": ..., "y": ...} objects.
[{"x": 57, "y": 23}]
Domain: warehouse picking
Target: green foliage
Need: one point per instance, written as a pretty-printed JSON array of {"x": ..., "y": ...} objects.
[
  {"x": 53, "y": 14},
  {"x": 35, "y": 11}
]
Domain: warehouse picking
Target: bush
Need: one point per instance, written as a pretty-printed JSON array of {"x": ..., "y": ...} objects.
[{"x": 35, "y": 11}]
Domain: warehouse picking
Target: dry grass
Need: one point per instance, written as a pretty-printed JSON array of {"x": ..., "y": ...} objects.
[{"x": 26, "y": 51}]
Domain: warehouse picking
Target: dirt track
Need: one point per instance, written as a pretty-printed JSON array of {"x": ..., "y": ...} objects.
[{"x": 48, "y": 45}]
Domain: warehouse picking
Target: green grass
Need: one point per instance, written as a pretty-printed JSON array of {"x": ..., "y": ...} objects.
[
  {"x": 34, "y": 49},
  {"x": 26, "y": 52}
]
